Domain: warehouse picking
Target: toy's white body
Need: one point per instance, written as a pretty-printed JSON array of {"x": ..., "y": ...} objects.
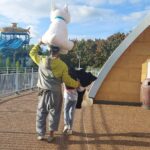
[{"x": 57, "y": 33}]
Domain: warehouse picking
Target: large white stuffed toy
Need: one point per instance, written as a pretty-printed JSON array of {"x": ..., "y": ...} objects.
[{"x": 57, "y": 33}]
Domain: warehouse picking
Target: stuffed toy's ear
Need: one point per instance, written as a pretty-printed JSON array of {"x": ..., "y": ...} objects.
[
  {"x": 53, "y": 6},
  {"x": 66, "y": 8}
]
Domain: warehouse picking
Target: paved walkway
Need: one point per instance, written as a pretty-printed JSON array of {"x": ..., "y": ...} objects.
[{"x": 100, "y": 127}]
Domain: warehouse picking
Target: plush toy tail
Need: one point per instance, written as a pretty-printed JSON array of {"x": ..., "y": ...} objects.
[
  {"x": 86, "y": 100},
  {"x": 70, "y": 45},
  {"x": 65, "y": 48}
]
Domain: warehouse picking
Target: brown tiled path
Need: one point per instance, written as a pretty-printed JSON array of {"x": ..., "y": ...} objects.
[{"x": 100, "y": 127}]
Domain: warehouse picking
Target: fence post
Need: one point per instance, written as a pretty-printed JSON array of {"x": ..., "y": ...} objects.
[
  {"x": 32, "y": 79},
  {"x": 25, "y": 70},
  {"x": 7, "y": 70},
  {"x": 16, "y": 81}
]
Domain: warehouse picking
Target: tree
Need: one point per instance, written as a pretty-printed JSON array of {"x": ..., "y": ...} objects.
[
  {"x": 107, "y": 47},
  {"x": 92, "y": 53},
  {"x": 17, "y": 64}
]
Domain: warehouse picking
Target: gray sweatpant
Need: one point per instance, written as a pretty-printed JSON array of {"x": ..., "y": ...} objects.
[{"x": 50, "y": 103}]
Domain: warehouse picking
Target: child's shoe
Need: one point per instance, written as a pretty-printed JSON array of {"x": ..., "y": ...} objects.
[
  {"x": 50, "y": 139},
  {"x": 40, "y": 137},
  {"x": 65, "y": 129}
]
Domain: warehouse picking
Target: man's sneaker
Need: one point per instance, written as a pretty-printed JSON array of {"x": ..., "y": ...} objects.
[
  {"x": 65, "y": 129},
  {"x": 50, "y": 139},
  {"x": 69, "y": 131},
  {"x": 40, "y": 137}
]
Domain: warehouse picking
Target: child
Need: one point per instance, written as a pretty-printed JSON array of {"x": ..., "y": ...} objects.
[
  {"x": 70, "y": 101},
  {"x": 73, "y": 97}
]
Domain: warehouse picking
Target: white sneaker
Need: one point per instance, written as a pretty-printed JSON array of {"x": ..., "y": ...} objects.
[
  {"x": 40, "y": 137},
  {"x": 65, "y": 129}
]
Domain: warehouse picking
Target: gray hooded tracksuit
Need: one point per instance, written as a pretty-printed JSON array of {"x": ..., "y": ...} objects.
[{"x": 50, "y": 100}]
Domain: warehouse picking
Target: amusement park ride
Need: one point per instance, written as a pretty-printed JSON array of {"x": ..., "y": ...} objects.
[{"x": 13, "y": 38}]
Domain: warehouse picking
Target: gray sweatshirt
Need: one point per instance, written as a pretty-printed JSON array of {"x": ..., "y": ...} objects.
[{"x": 46, "y": 79}]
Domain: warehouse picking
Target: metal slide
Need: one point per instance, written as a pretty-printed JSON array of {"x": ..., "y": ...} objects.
[{"x": 11, "y": 44}]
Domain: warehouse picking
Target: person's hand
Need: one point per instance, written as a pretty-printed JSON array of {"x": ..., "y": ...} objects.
[
  {"x": 79, "y": 84},
  {"x": 40, "y": 42}
]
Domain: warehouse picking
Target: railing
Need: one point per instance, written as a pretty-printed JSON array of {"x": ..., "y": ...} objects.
[
  {"x": 16, "y": 80},
  {"x": 11, "y": 83},
  {"x": 7, "y": 70}
]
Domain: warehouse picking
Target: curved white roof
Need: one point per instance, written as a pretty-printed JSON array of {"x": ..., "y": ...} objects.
[{"x": 116, "y": 55}]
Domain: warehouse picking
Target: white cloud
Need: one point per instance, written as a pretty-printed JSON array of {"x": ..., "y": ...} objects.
[
  {"x": 96, "y": 2},
  {"x": 30, "y": 12},
  {"x": 135, "y": 1},
  {"x": 101, "y": 2},
  {"x": 84, "y": 13},
  {"x": 116, "y": 2},
  {"x": 3, "y": 22},
  {"x": 24, "y": 10},
  {"x": 134, "y": 16},
  {"x": 111, "y": 2}
]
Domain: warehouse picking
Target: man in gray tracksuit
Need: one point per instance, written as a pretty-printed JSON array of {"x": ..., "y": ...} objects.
[{"x": 52, "y": 72}]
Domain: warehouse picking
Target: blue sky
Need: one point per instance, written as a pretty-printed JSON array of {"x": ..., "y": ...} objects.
[{"x": 89, "y": 18}]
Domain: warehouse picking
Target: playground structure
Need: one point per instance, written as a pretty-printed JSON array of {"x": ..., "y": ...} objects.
[{"x": 13, "y": 38}]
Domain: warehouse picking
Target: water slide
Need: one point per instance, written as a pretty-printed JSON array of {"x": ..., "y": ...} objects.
[{"x": 11, "y": 44}]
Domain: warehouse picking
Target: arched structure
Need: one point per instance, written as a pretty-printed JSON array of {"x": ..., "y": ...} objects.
[{"x": 120, "y": 77}]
